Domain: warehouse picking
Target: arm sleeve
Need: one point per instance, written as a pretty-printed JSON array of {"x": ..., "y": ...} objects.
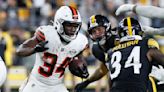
[
  {"x": 150, "y": 11},
  {"x": 39, "y": 34},
  {"x": 153, "y": 31},
  {"x": 99, "y": 53}
]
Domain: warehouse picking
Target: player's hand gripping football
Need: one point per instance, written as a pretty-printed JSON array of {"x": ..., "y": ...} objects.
[
  {"x": 79, "y": 87},
  {"x": 41, "y": 47}
]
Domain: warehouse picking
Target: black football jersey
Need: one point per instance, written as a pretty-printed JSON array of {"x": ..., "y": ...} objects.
[
  {"x": 99, "y": 52},
  {"x": 129, "y": 63}
]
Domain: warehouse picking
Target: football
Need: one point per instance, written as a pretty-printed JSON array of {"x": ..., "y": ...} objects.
[{"x": 78, "y": 67}]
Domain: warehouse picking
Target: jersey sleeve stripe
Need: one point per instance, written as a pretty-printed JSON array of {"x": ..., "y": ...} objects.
[{"x": 40, "y": 36}]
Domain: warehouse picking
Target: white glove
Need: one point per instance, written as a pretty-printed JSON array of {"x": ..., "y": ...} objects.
[
  {"x": 124, "y": 8},
  {"x": 158, "y": 73}
]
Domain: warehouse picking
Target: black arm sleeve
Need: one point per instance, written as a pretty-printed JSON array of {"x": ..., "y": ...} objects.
[{"x": 98, "y": 53}]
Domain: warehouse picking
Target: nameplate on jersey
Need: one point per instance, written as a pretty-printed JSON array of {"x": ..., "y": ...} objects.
[{"x": 124, "y": 45}]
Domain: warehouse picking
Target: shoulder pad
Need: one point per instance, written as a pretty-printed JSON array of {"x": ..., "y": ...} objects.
[{"x": 153, "y": 43}]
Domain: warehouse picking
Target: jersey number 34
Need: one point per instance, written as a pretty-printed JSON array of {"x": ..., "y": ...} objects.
[{"x": 132, "y": 61}]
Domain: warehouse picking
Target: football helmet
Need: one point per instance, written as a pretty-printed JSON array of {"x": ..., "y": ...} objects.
[
  {"x": 67, "y": 15},
  {"x": 99, "y": 21},
  {"x": 129, "y": 28}
]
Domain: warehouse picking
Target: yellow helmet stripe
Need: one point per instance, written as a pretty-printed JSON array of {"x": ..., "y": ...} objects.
[
  {"x": 129, "y": 26},
  {"x": 93, "y": 19}
]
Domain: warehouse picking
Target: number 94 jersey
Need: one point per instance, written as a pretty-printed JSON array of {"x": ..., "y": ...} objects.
[
  {"x": 129, "y": 62},
  {"x": 50, "y": 65}
]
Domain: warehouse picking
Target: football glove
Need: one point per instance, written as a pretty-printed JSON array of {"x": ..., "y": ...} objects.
[
  {"x": 124, "y": 8},
  {"x": 79, "y": 87},
  {"x": 158, "y": 73},
  {"x": 41, "y": 47}
]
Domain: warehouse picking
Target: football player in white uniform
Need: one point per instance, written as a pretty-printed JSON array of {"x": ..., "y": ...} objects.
[
  {"x": 3, "y": 72},
  {"x": 146, "y": 11},
  {"x": 54, "y": 46}
]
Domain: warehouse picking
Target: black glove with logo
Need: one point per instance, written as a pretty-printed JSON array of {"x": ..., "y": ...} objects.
[
  {"x": 41, "y": 47},
  {"x": 79, "y": 87}
]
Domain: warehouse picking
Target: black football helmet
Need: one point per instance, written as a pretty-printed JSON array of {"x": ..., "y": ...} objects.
[
  {"x": 97, "y": 21},
  {"x": 129, "y": 27}
]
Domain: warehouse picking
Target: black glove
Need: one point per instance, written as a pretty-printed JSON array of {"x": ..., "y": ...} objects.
[
  {"x": 41, "y": 47},
  {"x": 79, "y": 87}
]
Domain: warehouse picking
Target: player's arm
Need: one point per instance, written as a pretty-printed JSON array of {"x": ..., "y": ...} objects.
[
  {"x": 154, "y": 54},
  {"x": 27, "y": 48},
  {"x": 146, "y": 11},
  {"x": 149, "y": 11},
  {"x": 98, "y": 74},
  {"x": 153, "y": 31},
  {"x": 35, "y": 44}
]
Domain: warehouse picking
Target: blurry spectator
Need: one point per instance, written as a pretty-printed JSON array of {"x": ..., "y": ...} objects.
[
  {"x": 3, "y": 17},
  {"x": 36, "y": 17},
  {"x": 23, "y": 13},
  {"x": 46, "y": 12},
  {"x": 110, "y": 8},
  {"x": 11, "y": 10},
  {"x": 87, "y": 9},
  {"x": 155, "y": 21}
]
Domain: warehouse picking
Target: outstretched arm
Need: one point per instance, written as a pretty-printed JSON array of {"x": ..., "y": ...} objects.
[
  {"x": 35, "y": 44},
  {"x": 153, "y": 31},
  {"x": 27, "y": 48},
  {"x": 31, "y": 46},
  {"x": 149, "y": 11},
  {"x": 146, "y": 11}
]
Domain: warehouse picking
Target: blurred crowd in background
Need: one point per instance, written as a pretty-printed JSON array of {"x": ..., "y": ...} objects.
[{"x": 20, "y": 18}]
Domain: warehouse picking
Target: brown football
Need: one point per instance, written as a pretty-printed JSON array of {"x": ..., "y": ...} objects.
[{"x": 78, "y": 67}]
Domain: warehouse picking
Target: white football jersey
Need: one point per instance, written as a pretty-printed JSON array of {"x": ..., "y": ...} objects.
[{"x": 50, "y": 65}]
